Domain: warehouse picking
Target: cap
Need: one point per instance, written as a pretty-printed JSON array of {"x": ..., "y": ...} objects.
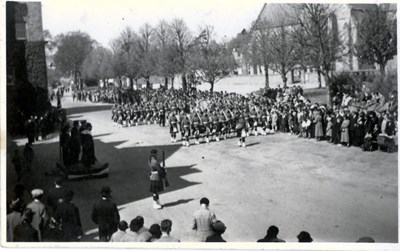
[
  {"x": 219, "y": 226},
  {"x": 153, "y": 151},
  {"x": 36, "y": 192}
]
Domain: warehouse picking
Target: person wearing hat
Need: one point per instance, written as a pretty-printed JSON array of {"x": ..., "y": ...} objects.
[
  {"x": 203, "y": 221},
  {"x": 157, "y": 174},
  {"x": 88, "y": 153},
  {"x": 319, "y": 132},
  {"x": 344, "y": 136},
  {"x": 55, "y": 195},
  {"x": 65, "y": 139},
  {"x": 105, "y": 214},
  {"x": 272, "y": 235},
  {"x": 166, "y": 226},
  {"x": 117, "y": 236},
  {"x": 75, "y": 143},
  {"x": 304, "y": 237},
  {"x": 219, "y": 228},
  {"x": 68, "y": 215},
  {"x": 40, "y": 216},
  {"x": 28, "y": 155},
  {"x": 14, "y": 218},
  {"x": 25, "y": 232}
]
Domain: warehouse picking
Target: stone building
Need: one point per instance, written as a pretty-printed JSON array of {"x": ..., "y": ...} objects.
[
  {"x": 344, "y": 22},
  {"x": 27, "y": 91}
]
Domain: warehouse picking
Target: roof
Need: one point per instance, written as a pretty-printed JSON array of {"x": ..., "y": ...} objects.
[{"x": 277, "y": 14}]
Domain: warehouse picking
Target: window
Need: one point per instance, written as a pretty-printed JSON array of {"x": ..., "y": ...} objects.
[{"x": 20, "y": 31}]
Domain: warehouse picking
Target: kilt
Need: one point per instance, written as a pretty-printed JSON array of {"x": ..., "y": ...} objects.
[{"x": 156, "y": 186}]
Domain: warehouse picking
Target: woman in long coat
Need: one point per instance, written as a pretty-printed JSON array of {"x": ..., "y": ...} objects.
[
  {"x": 319, "y": 131},
  {"x": 88, "y": 155},
  {"x": 344, "y": 137},
  {"x": 329, "y": 127}
]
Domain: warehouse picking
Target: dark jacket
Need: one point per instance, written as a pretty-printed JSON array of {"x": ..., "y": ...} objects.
[
  {"x": 54, "y": 197},
  {"x": 24, "y": 232},
  {"x": 215, "y": 238},
  {"x": 106, "y": 215},
  {"x": 270, "y": 239},
  {"x": 68, "y": 215}
]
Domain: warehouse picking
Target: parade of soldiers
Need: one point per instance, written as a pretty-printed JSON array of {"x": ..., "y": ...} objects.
[{"x": 197, "y": 116}]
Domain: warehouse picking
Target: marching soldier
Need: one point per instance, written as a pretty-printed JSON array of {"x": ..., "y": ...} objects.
[
  {"x": 173, "y": 127},
  {"x": 185, "y": 130}
]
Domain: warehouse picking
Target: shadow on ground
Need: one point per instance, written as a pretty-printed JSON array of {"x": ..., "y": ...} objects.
[
  {"x": 128, "y": 177},
  {"x": 84, "y": 109}
]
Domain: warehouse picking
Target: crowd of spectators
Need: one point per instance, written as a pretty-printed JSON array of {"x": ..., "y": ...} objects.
[{"x": 55, "y": 218}]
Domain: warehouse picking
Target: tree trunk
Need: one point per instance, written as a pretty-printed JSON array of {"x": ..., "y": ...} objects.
[
  {"x": 184, "y": 83},
  {"x": 382, "y": 69},
  {"x": 172, "y": 82},
  {"x": 212, "y": 87},
  {"x": 266, "y": 76},
  {"x": 319, "y": 78},
  {"x": 148, "y": 82},
  {"x": 328, "y": 87},
  {"x": 284, "y": 78},
  {"x": 131, "y": 82},
  {"x": 76, "y": 80},
  {"x": 166, "y": 83}
]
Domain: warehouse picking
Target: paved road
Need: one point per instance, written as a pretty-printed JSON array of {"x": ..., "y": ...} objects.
[{"x": 337, "y": 194}]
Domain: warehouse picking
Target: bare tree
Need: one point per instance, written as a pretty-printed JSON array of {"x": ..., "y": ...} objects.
[
  {"x": 318, "y": 23},
  {"x": 125, "y": 55},
  {"x": 261, "y": 38},
  {"x": 183, "y": 40},
  {"x": 214, "y": 61},
  {"x": 377, "y": 36},
  {"x": 166, "y": 52},
  {"x": 146, "y": 52}
]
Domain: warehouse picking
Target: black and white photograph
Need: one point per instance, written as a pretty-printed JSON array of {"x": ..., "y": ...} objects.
[{"x": 135, "y": 123}]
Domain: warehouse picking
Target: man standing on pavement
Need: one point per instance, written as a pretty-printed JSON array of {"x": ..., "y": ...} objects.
[
  {"x": 40, "y": 216},
  {"x": 204, "y": 219},
  {"x": 55, "y": 195},
  {"x": 106, "y": 215},
  {"x": 67, "y": 215},
  {"x": 157, "y": 174},
  {"x": 24, "y": 232}
]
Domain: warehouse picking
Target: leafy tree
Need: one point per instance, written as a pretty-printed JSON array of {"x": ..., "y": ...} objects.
[
  {"x": 97, "y": 64},
  {"x": 377, "y": 36},
  {"x": 72, "y": 49}
]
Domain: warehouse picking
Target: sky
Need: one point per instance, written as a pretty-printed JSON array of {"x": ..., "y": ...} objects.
[{"x": 104, "y": 20}]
